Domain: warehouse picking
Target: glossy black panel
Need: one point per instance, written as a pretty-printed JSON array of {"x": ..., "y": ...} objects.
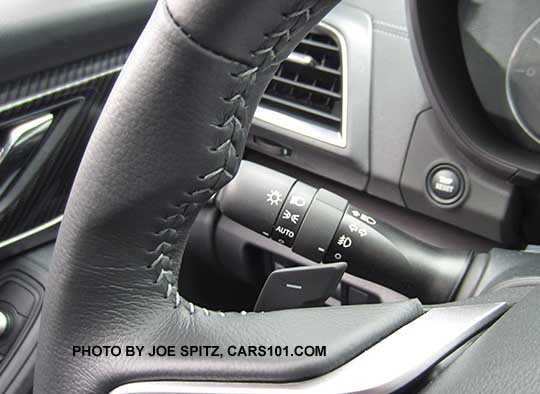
[
  {"x": 41, "y": 34},
  {"x": 75, "y": 93}
]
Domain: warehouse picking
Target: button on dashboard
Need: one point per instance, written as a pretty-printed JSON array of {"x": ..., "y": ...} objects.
[{"x": 445, "y": 184}]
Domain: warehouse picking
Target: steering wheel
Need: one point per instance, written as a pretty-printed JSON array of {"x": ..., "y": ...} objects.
[{"x": 171, "y": 135}]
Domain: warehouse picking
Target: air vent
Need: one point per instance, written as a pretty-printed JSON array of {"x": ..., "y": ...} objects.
[{"x": 308, "y": 85}]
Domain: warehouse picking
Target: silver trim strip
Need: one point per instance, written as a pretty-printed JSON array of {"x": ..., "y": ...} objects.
[
  {"x": 31, "y": 232},
  {"x": 20, "y": 134},
  {"x": 264, "y": 115},
  {"x": 298, "y": 125},
  {"x": 384, "y": 368},
  {"x": 4, "y": 323}
]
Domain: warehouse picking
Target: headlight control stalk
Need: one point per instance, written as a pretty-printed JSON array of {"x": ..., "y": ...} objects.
[{"x": 325, "y": 228}]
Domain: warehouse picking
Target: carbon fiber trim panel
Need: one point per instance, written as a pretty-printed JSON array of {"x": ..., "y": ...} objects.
[{"x": 86, "y": 82}]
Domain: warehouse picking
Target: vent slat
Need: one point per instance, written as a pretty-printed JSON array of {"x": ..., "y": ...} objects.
[
  {"x": 318, "y": 67},
  {"x": 327, "y": 70},
  {"x": 321, "y": 45},
  {"x": 303, "y": 108},
  {"x": 308, "y": 87},
  {"x": 309, "y": 84}
]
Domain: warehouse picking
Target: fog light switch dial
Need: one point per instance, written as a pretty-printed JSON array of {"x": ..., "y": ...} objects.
[{"x": 320, "y": 225}]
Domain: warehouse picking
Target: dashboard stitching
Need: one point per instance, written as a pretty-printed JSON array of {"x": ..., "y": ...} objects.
[
  {"x": 391, "y": 25},
  {"x": 394, "y": 35}
]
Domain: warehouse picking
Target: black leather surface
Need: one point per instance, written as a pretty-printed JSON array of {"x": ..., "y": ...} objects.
[
  {"x": 505, "y": 359},
  {"x": 36, "y": 34},
  {"x": 171, "y": 134}
]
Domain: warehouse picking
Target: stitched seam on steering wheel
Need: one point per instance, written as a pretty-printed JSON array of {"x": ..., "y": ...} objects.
[
  {"x": 281, "y": 36},
  {"x": 268, "y": 53},
  {"x": 196, "y": 42}
]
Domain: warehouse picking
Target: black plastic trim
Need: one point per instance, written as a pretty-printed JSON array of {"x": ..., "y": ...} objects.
[{"x": 36, "y": 35}]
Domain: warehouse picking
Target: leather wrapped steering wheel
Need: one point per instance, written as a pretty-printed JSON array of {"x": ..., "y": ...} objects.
[{"x": 170, "y": 136}]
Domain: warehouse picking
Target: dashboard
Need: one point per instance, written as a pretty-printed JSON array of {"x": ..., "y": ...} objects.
[
  {"x": 391, "y": 142},
  {"x": 503, "y": 64}
]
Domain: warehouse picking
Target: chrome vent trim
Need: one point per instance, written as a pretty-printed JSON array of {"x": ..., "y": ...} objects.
[{"x": 314, "y": 106}]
